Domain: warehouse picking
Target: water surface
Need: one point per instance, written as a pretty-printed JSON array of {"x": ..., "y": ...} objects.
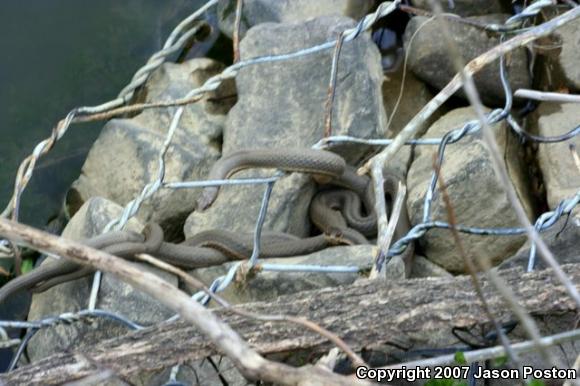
[
  {"x": 56, "y": 55},
  {"x": 59, "y": 54}
]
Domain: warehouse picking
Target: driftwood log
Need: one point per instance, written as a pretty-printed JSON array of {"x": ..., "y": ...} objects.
[{"x": 371, "y": 314}]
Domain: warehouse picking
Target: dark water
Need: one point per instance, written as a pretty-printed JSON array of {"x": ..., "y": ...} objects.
[{"x": 58, "y": 54}]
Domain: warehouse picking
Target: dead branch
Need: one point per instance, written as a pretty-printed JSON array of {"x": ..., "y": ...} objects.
[
  {"x": 225, "y": 339},
  {"x": 475, "y": 65},
  {"x": 371, "y": 314}
]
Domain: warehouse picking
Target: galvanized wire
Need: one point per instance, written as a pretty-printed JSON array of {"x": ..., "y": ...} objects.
[
  {"x": 183, "y": 33},
  {"x": 211, "y": 84},
  {"x": 26, "y": 168},
  {"x": 65, "y": 318},
  {"x": 548, "y": 219}
]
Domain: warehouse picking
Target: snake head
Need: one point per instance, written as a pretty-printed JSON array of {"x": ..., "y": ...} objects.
[{"x": 334, "y": 236}]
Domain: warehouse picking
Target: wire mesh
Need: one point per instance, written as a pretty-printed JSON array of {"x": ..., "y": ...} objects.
[{"x": 177, "y": 39}]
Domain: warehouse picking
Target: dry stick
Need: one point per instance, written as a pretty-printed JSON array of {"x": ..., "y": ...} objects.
[
  {"x": 469, "y": 264},
  {"x": 376, "y": 163},
  {"x": 455, "y": 84},
  {"x": 250, "y": 363},
  {"x": 404, "y": 77},
  {"x": 237, "y": 25},
  {"x": 136, "y": 108},
  {"x": 195, "y": 283},
  {"x": 139, "y": 107},
  {"x": 450, "y": 16},
  {"x": 547, "y": 96},
  {"x": 96, "y": 379},
  {"x": 15, "y": 200},
  {"x": 99, "y": 378},
  {"x": 491, "y": 352},
  {"x": 471, "y": 91},
  {"x": 379, "y": 270},
  {"x": 576, "y": 367},
  {"x": 332, "y": 86},
  {"x": 575, "y": 156},
  {"x": 383, "y": 224}
]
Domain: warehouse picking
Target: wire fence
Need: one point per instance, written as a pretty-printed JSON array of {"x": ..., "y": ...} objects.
[{"x": 177, "y": 39}]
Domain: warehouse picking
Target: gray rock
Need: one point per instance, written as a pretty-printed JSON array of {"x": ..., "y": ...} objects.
[
  {"x": 562, "y": 240},
  {"x": 125, "y": 156},
  {"x": 477, "y": 196},
  {"x": 268, "y": 285},
  {"x": 255, "y": 12},
  {"x": 203, "y": 120},
  {"x": 561, "y": 177},
  {"x": 422, "y": 267},
  {"x": 73, "y": 296},
  {"x": 286, "y": 100},
  {"x": 282, "y": 105},
  {"x": 569, "y": 36},
  {"x": 414, "y": 94},
  {"x": 465, "y": 7},
  {"x": 430, "y": 60}
]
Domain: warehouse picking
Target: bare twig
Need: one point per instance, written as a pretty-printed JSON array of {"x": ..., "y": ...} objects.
[
  {"x": 576, "y": 367},
  {"x": 492, "y": 352},
  {"x": 404, "y": 77},
  {"x": 237, "y": 25},
  {"x": 455, "y": 84},
  {"x": 376, "y": 163},
  {"x": 136, "y": 108},
  {"x": 329, "y": 105},
  {"x": 547, "y": 96},
  {"x": 452, "y": 17},
  {"x": 469, "y": 264},
  {"x": 499, "y": 168},
  {"x": 195, "y": 283},
  {"x": 250, "y": 363},
  {"x": 575, "y": 156},
  {"x": 379, "y": 269}
]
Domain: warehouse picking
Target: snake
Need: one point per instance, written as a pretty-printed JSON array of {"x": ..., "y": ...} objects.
[
  {"x": 312, "y": 161},
  {"x": 342, "y": 210}
]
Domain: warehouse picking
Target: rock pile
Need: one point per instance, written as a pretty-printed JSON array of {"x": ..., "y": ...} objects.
[{"x": 282, "y": 104}]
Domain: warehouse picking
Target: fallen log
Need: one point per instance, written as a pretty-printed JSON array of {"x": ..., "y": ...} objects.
[{"x": 369, "y": 314}]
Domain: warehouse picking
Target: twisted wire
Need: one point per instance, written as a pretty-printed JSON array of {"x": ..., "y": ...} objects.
[{"x": 180, "y": 36}]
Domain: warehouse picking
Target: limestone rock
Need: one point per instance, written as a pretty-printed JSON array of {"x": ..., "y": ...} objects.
[
  {"x": 255, "y": 12},
  {"x": 430, "y": 59},
  {"x": 268, "y": 285},
  {"x": 282, "y": 105},
  {"x": 477, "y": 196},
  {"x": 125, "y": 156},
  {"x": 114, "y": 295},
  {"x": 560, "y": 172},
  {"x": 569, "y": 36},
  {"x": 465, "y": 7}
]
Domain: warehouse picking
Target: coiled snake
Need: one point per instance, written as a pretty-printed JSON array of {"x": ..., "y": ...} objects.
[{"x": 342, "y": 210}]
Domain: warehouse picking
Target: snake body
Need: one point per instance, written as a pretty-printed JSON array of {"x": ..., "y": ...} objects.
[
  {"x": 64, "y": 267},
  {"x": 342, "y": 211},
  {"x": 293, "y": 160}
]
